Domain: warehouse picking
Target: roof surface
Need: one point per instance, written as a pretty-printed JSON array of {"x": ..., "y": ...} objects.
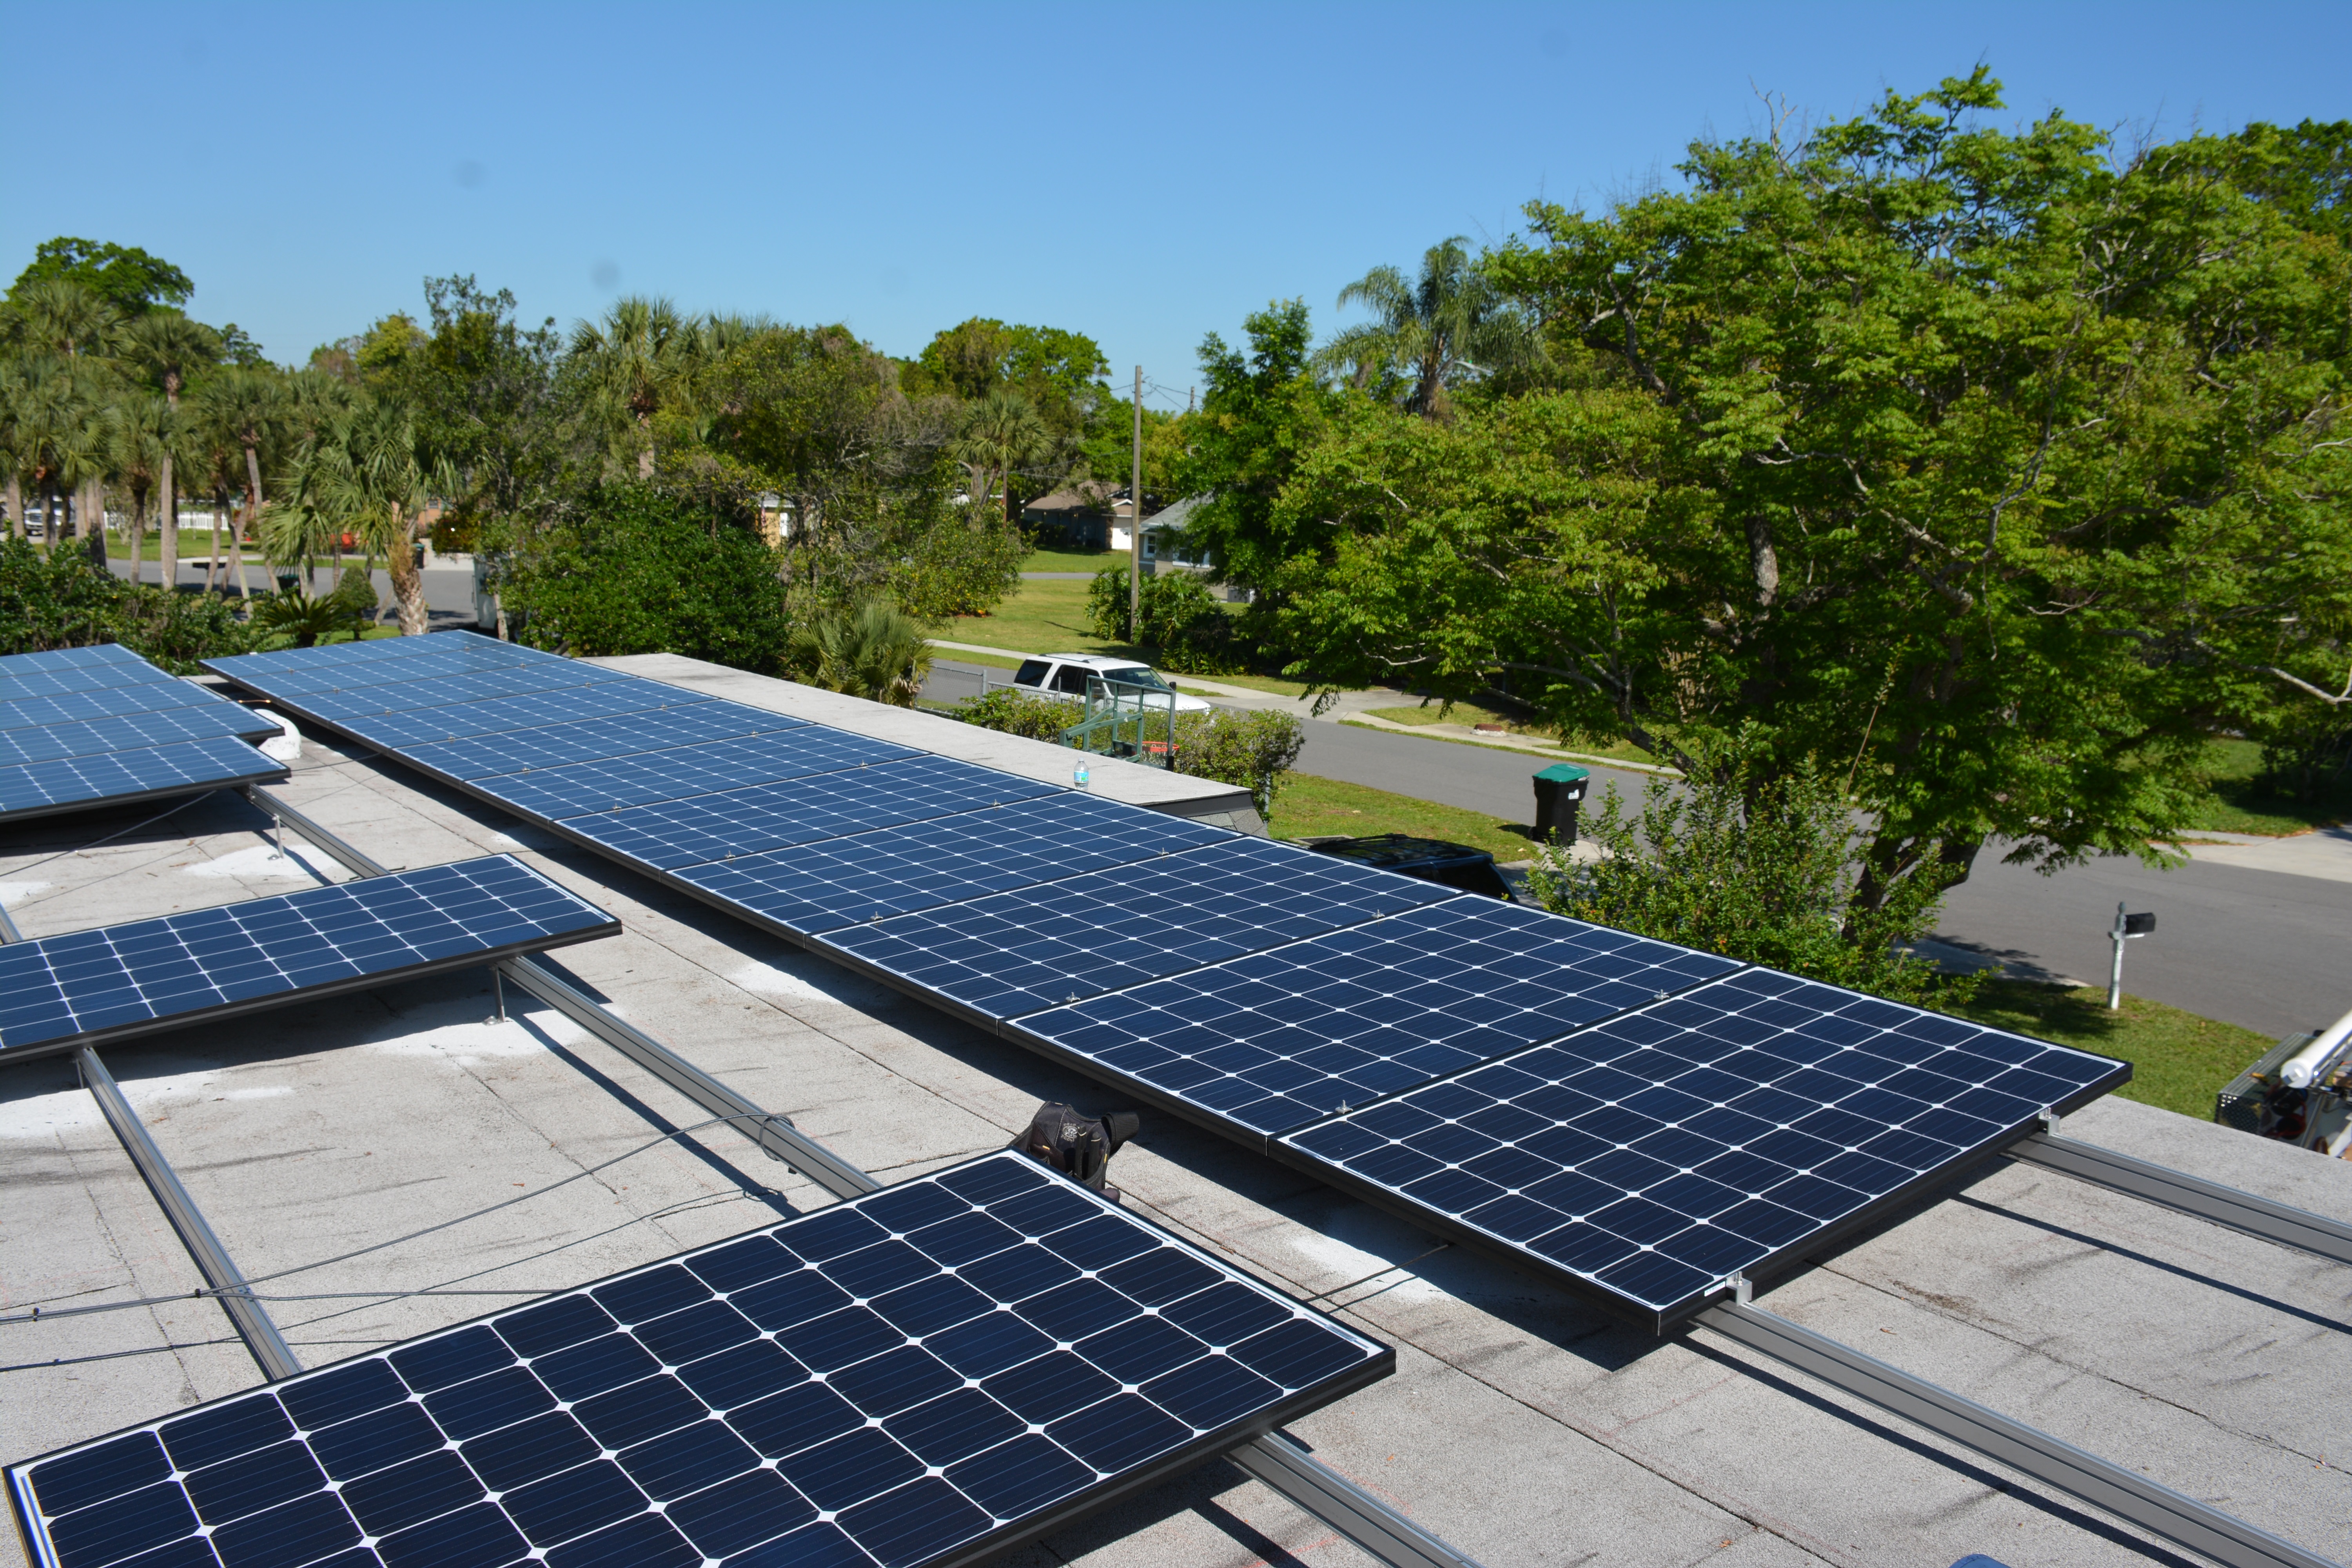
[{"x": 1521, "y": 1425}]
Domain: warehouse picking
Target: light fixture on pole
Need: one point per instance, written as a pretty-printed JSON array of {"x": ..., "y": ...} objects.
[{"x": 2126, "y": 926}]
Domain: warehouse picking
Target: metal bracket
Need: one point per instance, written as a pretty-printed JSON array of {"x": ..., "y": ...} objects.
[
  {"x": 220, "y": 1271},
  {"x": 1284, "y": 1464},
  {"x": 2281, "y": 1223},
  {"x": 9, "y": 932},
  {"x": 358, "y": 864},
  {"x": 2159, "y": 1510}
]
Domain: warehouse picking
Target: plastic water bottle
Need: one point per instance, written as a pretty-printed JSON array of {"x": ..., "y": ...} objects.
[{"x": 1080, "y": 776}]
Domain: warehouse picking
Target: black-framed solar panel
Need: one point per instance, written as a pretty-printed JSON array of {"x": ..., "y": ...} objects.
[
  {"x": 919, "y": 1378},
  {"x": 709, "y": 725},
  {"x": 1648, "y": 1159},
  {"x": 837, "y": 882},
  {"x": 130, "y": 732},
  {"x": 146, "y": 773},
  {"x": 430, "y": 657},
  {"x": 68, "y": 658},
  {"x": 461, "y": 721},
  {"x": 900, "y": 786},
  {"x": 105, "y": 702},
  {"x": 303, "y": 662},
  {"x": 1278, "y": 1039},
  {"x": 421, "y": 686},
  {"x": 1026, "y": 951},
  {"x": 682, "y": 775},
  {"x": 87, "y": 987}
]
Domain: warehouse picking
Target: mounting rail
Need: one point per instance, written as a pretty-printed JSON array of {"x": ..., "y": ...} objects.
[
  {"x": 2288, "y": 1227},
  {"x": 2130, "y": 1497},
  {"x": 228, "y": 1285}
]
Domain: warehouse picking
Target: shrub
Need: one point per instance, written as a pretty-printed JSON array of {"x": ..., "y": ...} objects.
[
  {"x": 1763, "y": 872},
  {"x": 63, "y": 599},
  {"x": 640, "y": 571},
  {"x": 1252, "y": 749},
  {"x": 1189, "y": 631},
  {"x": 1018, "y": 714}
]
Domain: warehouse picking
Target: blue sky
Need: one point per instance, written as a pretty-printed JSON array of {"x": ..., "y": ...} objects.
[{"x": 1142, "y": 174}]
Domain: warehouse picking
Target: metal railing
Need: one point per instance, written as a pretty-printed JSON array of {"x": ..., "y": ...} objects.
[{"x": 1126, "y": 720}]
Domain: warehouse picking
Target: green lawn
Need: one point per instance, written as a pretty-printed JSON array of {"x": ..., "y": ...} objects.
[
  {"x": 2180, "y": 1060},
  {"x": 1071, "y": 560},
  {"x": 2236, "y": 804},
  {"x": 1307, "y": 806},
  {"x": 1036, "y": 617}
]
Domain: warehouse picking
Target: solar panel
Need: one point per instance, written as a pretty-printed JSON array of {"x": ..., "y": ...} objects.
[
  {"x": 688, "y": 723},
  {"x": 1648, "y": 1159},
  {"x": 837, "y": 882},
  {"x": 1026, "y": 951},
  {"x": 107, "y": 702},
  {"x": 132, "y": 731},
  {"x": 86, "y": 988},
  {"x": 457, "y": 721},
  {"x": 433, "y": 657},
  {"x": 650, "y": 777},
  {"x": 68, "y": 658},
  {"x": 301, "y": 662},
  {"x": 668, "y": 835},
  {"x": 428, "y": 686},
  {"x": 68, "y": 783},
  {"x": 16, "y": 684},
  {"x": 1281, "y": 1038},
  {"x": 923, "y": 1376}
]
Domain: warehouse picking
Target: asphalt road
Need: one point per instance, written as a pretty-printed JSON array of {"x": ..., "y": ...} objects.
[
  {"x": 2264, "y": 949},
  {"x": 448, "y": 590}
]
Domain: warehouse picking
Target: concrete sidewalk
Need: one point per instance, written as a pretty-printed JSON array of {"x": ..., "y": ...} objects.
[{"x": 2324, "y": 853}]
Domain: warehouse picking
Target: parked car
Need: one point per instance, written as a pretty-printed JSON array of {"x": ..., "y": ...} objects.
[
  {"x": 1425, "y": 859},
  {"x": 1063, "y": 676}
]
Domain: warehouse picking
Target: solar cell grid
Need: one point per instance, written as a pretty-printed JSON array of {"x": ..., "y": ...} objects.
[
  {"x": 68, "y": 658},
  {"x": 1278, "y": 1039},
  {"x": 303, "y": 661},
  {"x": 130, "y": 732},
  {"x": 441, "y": 656},
  {"x": 669, "y": 835},
  {"x": 431, "y": 688},
  {"x": 921, "y": 1376},
  {"x": 685, "y": 723},
  {"x": 66, "y": 783},
  {"x": 1024, "y": 951},
  {"x": 106, "y": 702},
  {"x": 60, "y": 991},
  {"x": 461, "y": 721},
  {"x": 680, "y": 775},
  {"x": 1651, "y": 1157},
  {"x": 78, "y": 678},
  {"x": 837, "y": 882}
]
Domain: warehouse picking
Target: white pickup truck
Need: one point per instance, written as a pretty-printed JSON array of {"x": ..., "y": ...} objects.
[{"x": 1063, "y": 676}]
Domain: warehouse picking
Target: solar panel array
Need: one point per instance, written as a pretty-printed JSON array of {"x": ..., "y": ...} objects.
[
  {"x": 1289, "y": 1000},
  {"x": 921, "y": 1376},
  {"x": 91, "y": 726},
  {"x": 59, "y": 993}
]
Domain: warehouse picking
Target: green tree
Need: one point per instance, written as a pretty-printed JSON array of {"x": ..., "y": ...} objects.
[
  {"x": 168, "y": 348},
  {"x": 634, "y": 362},
  {"x": 1261, "y": 412},
  {"x": 1987, "y": 473},
  {"x": 127, "y": 278},
  {"x": 366, "y": 471},
  {"x": 1001, "y": 433},
  {"x": 870, "y": 649},
  {"x": 630, "y": 569}
]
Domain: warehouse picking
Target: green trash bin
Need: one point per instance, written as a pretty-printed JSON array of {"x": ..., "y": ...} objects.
[{"x": 1559, "y": 789}]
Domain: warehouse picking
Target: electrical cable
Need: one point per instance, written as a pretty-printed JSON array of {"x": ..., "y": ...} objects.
[{"x": 118, "y": 833}]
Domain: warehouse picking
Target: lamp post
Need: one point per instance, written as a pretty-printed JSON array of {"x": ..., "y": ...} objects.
[{"x": 2126, "y": 927}]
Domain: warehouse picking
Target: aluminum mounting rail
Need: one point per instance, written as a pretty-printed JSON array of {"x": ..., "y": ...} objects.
[
  {"x": 2130, "y": 1497},
  {"x": 2281, "y": 1223},
  {"x": 1281, "y": 1463},
  {"x": 220, "y": 1271},
  {"x": 9, "y": 932},
  {"x": 354, "y": 861}
]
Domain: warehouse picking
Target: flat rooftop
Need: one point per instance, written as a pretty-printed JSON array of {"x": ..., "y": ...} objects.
[{"x": 348, "y": 1151}]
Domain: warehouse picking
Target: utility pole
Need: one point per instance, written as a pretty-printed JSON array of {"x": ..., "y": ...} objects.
[{"x": 1135, "y": 523}]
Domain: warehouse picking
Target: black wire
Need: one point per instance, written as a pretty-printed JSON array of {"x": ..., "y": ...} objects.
[{"x": 111, "y": 836}]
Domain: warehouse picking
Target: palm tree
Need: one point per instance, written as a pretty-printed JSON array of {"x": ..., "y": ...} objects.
[
  {"x": 1450, "y": 326},
  {"x": 59, "y": 317},
  {"x": 141, "y": 433},
  {"x": 243, "y": 406},
  {"x": 169, "y": 346},
  {"x": 641, "y": 350},
  {"x": 873, "y": 650},
  {"x": 1002, "y": 432},
  {"x": 366, "y": 472}
]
